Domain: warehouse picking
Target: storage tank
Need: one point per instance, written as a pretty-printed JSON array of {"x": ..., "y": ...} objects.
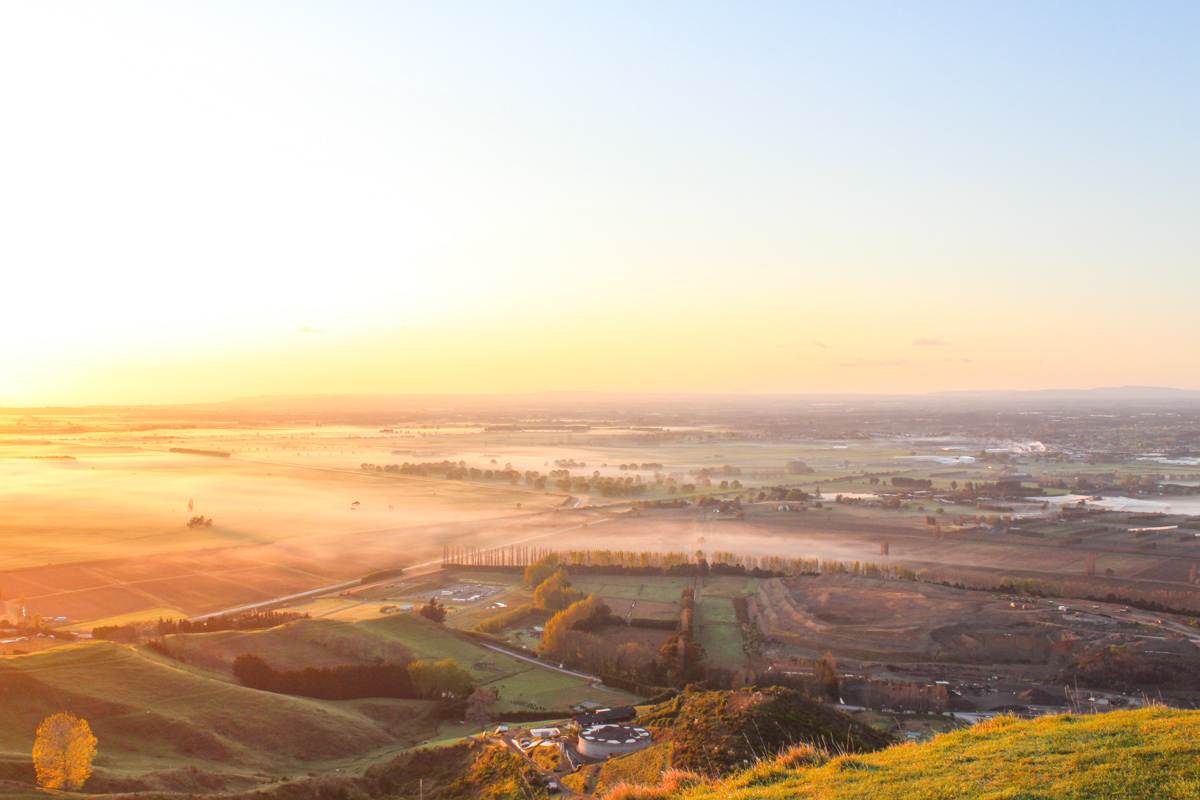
[{"x": 602, "y": 741}]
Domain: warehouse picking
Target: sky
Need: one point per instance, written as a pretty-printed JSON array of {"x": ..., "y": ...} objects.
[{"x": 202, "y": 201}]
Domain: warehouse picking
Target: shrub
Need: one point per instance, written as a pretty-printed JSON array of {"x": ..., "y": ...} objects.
[{"x": 433, "y": 610}]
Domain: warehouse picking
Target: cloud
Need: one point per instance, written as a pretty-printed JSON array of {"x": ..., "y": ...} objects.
[
  {"x": 888, "y": 362},
  {"x": 820, "y": 344},
  {"x": 929, "y": 343}
]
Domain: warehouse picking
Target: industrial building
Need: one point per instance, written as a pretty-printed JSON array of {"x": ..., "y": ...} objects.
[{"x": 606, "y": 716}]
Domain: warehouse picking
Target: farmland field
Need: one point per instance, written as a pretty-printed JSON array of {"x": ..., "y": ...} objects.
[
  {"x": 643, "y": 609},
  {"x": 849, "y": 533},
  {"x": 719, "y": 633},
  {"x": 113, "y": 540},
  {"x": 95, "y": 519},
  {"x": 632, "y": 587}
]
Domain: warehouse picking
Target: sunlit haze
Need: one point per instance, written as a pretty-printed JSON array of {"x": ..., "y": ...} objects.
[
  {"x": 212, "y": 200},
  {"x": 515, "y": 399}
]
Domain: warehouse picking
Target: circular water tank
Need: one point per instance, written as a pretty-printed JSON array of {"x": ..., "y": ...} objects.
[{"x": 602, "y": 741}]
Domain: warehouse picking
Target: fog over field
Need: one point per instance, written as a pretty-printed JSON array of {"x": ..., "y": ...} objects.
[{"x": 97, "y": 504}]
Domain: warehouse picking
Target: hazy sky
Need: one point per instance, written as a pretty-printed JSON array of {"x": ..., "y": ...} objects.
[{"x": 208, "y": 200}]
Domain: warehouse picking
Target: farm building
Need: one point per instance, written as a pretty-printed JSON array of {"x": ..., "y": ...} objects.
[
  {"x": 606, "y": 716},
  {"x": 603, "y": 741}
]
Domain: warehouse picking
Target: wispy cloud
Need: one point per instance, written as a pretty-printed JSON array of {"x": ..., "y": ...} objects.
[
  {"x": 820, "y": 344},
  {"x": 925, "y": 342},
  {"x": 885, "y": 362}
]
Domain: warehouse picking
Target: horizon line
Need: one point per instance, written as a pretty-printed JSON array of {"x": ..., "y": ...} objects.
[{"x": 614, "y": 395}]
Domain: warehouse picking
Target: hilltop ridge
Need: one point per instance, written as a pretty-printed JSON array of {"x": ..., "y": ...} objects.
[{"x": 1142, "y": 754}]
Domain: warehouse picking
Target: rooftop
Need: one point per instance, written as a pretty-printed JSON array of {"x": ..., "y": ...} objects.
[{"x": 614, "y": 734}]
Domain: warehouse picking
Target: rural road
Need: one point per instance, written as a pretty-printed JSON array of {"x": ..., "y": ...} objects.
[
  {"x": 538, "y": 662},
  {"x": 287, "y": 598}
]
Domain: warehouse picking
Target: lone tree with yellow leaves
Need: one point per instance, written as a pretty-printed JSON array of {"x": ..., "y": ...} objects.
[{"x": 63, "y": 751}]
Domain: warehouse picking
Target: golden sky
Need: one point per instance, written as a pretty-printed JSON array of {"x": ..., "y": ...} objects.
[{"x": 227, "y": 200}]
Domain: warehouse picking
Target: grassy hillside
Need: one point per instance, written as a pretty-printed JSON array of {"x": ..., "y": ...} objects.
[
  {"x": 304, "y": 643},
  {"x": 466, "y": 770},
  {"x": 162, "y": 724},
  {"x": 522, "y": 686},
  {"x": 1129, "y": 755},
  {"x": 166, "y": 724},
  {"x": 316, "y": 642},
  {"x": 717, "y": 733}
]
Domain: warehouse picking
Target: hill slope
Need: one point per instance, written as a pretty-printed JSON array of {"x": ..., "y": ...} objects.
[
  {"x": 1135, "y": 755},
  {"x": 318, "y": 642},
  {"x": 716, "y": 733},
  {"x": 165, "y": 725},
  {"x": 720, "y": 731}
]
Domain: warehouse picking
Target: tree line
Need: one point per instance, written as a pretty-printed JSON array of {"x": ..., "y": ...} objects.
[
  {"x": 420, "y": 679},
  {"x": 561, "y": 478},
  {"x": 459, "y": 471},
  {"x": 247, "y": 621},
  {"x": 682, "y": 655}
]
